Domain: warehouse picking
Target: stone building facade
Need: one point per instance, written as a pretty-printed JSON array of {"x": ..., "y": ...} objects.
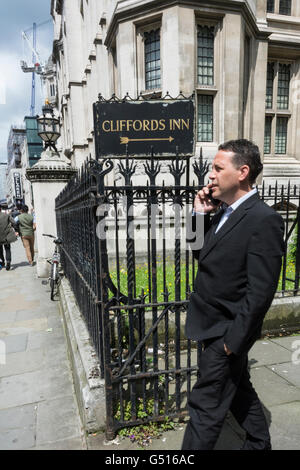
[{"x": 241, "y": 57}]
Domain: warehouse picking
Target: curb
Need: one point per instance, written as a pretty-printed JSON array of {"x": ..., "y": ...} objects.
[
  {"x": 89, "y": 390},
  {"x": 284, "y": 313}
]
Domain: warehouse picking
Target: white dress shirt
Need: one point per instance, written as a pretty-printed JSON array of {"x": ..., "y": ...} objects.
[{"x": 229, "y": 209}]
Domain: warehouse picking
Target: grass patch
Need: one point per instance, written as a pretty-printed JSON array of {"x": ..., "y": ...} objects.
[{"x": 166, "y": 280}]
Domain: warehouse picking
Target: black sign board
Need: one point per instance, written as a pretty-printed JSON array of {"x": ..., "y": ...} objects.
[
  {"x": 18, "y": 185},
  {"x": 141, "y": 125}
]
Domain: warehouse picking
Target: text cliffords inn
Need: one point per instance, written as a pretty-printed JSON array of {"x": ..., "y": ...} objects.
[{"x": 164, "y": 127}]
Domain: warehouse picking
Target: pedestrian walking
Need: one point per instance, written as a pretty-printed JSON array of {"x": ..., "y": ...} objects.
[
  {"x": 15, "y": 211},
  {"x": 238, "y": 270},
  {"x": 7, "y": 236},
  {"x": 26, "y": 227}
]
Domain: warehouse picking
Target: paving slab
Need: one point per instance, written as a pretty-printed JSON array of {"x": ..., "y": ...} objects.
[
  {"x": 17, "y": 439},
  {"x": 57, "y": 420},
  {"x": 24, "y": 315},
  {"x": 14, "y": 343},
  {"x": 75, "y": 443},
  {"x": 7, "y": 317},
  {"x": 288, "y": 371},
  {"x": 46, "y": 339},
  {"x": 36, "y": 359},
  {"x": 273, "y": 389},
  {"x": 285, "y": 428},
  {"x": 286, "y": 342},
  {"x": 35, "y": 386},
  {"x": 20, "y": 417},
  {"x": 37, "y": 324},
  {"x": 19, "y": 363},
  {"x": 18, "y": 427},
  {"x": 265, "y": 352}
]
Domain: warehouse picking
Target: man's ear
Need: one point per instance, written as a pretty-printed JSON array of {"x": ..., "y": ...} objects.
[{"x": 244, "y": 172}]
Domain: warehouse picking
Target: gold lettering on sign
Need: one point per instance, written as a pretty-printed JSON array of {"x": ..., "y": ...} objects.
[
  {"x": 162, "y": 124},
  {"x": 179, "y": 124},
  {"x": 140, "y": 125},
  {"x": 122, "y": 124},
  {"x": 104, "y": 126},
  {"x": 129, "y": 124},
  {"x": 186, "y": 123},
  {"x": 145, "y": 125}
]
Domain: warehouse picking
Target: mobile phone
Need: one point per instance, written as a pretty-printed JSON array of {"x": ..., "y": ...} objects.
[{"x": 215, "y": 202}]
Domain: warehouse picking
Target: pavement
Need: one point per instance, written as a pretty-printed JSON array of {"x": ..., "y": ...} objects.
[
  {"x": 275, "y": 374},
  {"x": 38, "y": 407}
]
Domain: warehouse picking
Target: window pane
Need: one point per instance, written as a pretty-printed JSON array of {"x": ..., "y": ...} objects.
[
  {"x": 285, "y": 7},
  {"x": 152, "y": 59},
  {"x": 205, "y": 55},
  {"x": 205, "y": 118},
  {"x": 283, "y": 86},
  {"x": 268, "y": 133},
  {"x": 270, "y": 6},
  {"x": 270, "y": 81},
  {"x": 281, "y": 135}
]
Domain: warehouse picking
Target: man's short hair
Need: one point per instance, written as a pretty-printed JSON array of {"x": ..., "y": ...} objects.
[
  {"x": 24, "y": 208},
  {"x": 245, "y": 153}
]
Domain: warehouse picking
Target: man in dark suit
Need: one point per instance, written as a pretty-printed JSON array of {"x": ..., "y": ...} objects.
[{"x": 238, "y": 270}]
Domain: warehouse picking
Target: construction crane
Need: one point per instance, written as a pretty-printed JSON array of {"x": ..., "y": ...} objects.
[{"x": 37, "y": 66}]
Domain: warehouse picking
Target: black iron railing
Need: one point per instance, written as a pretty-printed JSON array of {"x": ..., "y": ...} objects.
[{"x": 125, "y": 255}]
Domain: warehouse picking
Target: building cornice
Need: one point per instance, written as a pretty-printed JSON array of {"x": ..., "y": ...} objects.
[
  {"x": 283, "y": 19},
  {"x": 283, "y": 48},
  {"x": 50, "y": 175},
  {"x": 50, "y": 167},
  {"x": 130, "y": 10}
]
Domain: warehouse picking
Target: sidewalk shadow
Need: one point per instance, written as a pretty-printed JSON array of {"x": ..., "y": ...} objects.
[{"x": 18, "y": 265}]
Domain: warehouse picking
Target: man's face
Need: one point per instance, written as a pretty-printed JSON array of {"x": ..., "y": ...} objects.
[{"x": 225, "y": 177}]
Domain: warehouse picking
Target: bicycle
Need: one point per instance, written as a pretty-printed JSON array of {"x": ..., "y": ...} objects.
[{"x": 54, "y": 261}]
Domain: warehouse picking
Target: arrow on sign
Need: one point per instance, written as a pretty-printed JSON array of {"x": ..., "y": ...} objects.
[{"x": 125, "y": 140}]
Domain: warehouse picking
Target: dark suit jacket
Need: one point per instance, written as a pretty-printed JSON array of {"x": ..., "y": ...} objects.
[{"x": 238, "y": 273}]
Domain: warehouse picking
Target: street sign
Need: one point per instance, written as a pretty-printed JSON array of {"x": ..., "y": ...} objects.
[
  {"x": 164, "y": 125},
  {"x": 18, "y": 185}
]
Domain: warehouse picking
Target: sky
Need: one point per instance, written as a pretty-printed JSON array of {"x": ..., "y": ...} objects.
[{"x": 15, "y": 85}]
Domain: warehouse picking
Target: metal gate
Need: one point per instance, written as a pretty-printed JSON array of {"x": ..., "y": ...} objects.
[{"x": 149, "y": 365}]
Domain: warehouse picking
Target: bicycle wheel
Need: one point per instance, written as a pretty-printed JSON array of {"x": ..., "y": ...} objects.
[{"x": 53, "y": 279}]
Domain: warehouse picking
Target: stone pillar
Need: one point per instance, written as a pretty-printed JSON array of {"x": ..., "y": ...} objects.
[
  {"x": 261, "y": 11},
  {"x": 48, "y": 177},
  {"x": 258, "y": 98},
  {"x": 233, "y": 74},
  {"x": 170, "y": 51},
  {"x": 125, "y": 60},
  {"x": 187, "y": 50}
]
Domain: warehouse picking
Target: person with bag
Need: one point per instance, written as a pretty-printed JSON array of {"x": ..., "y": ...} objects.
[
  {"x": 26, "y": 227},
  {"x": 7, "y": 236}
]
